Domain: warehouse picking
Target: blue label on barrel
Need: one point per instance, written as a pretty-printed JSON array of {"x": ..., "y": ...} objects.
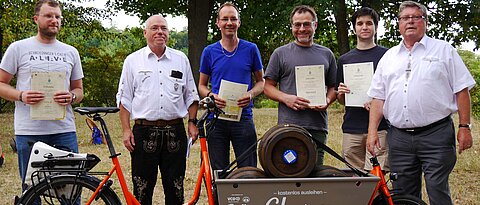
[{"x": 290, "y": 156}]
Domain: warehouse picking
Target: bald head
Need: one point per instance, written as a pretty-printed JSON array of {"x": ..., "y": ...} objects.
[{"x": 155, "y": 18}]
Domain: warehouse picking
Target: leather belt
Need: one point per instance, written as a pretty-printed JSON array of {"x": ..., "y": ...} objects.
[
  {"x": 417, "y": 130},
  {"x": 159, "y": 123}
]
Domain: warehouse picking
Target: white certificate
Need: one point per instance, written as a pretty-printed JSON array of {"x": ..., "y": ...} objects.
[
  {"x": 231, "y": 92},
  {"x": 310, "y": 82},
  {"x": 49, "y": 83},
  {"x": 357, "y": 77}
]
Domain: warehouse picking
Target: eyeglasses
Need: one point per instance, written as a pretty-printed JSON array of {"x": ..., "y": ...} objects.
[
  {"x": 408, "y": 18},
  {"x": 50, "y": 17},
  {"x": 307, "y": 24},
  {"x": 156, "y": 29},
  {"x": 233, "y": 20}
]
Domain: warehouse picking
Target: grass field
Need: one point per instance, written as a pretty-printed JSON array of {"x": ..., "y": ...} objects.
[{"x": 464, "y": 181}]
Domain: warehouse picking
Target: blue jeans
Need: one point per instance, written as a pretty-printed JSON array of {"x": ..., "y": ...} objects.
[
  {"x": 242, "y": 135},
  {"x": 68, "y": 139}
]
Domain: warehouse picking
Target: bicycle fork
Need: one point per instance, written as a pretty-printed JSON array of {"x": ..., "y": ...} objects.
[
  {"x": 206, "y": 174},
  {"x": 381, "y": 188}
]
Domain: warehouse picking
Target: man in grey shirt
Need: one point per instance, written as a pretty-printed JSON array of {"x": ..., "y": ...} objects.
[{"x": 293, "y": 109}]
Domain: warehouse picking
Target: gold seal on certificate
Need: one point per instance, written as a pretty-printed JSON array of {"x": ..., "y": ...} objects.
[
  {"x": 49, "y": 83},
  {"x": 357, "y": 77},
  {"x": 231, "y": 92},
  {"x": 310, "y": 82}
]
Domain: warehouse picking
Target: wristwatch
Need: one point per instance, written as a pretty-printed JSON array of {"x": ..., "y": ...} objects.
[
  {"x": 468, "y": 126},
  {"x": 74, "y": 97}
]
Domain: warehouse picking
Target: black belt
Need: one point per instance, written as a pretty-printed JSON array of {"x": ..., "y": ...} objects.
[
  {"x": 417, "y": 130},
  {"x": 159, "y": 123}
]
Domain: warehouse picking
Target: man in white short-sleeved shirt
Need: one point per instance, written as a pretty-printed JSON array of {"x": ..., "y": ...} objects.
[{"x": 417, "y": 86}]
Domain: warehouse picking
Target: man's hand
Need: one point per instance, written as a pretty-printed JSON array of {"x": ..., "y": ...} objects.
[
  {"x": 244, "y": 101},
  {"x": 372, "y": 143},
  {"x": 32, "y": 97},
  {"x": 464, "y": 138},
  {"x": 129, "y": 140},
  {"x": 219, "y": 102},
  {"x": 192, "y": 131},
  {"x": 367, "y": 105},
  {"x": 342, "y": 89},
  {"x": 63, "y": 98},
  {"x": 296, "y": 103}
]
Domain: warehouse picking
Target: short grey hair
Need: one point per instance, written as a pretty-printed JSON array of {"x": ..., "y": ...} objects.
[{"x": 409, "y": 4}]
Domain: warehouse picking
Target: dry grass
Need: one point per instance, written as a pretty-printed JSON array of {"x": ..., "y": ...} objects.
[{"x": 464, "y": 181}]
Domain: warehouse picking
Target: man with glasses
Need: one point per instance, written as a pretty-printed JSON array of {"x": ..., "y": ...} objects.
[
  {"x": 43, "y": 55},
  {"x": 355, "y": 121},
  {"x": 235, "y": 60},
  {"x": 293, "y": 109},
  {"x": 417, "y": 86},
  {"x": 157, "y": 91}
]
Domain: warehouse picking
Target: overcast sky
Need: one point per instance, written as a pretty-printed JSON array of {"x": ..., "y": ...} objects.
[{"x": 121, "y": 20}]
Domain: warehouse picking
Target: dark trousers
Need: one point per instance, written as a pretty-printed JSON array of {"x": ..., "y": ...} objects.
[
  {"x": 165, "y": 148},
  {"x": 242, "y": 135},
  {"x": 432, "y": 152}
]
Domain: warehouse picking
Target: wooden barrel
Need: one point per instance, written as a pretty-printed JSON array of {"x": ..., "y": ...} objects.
[
  {"x": 246, "y": 173},
  {"x": 286, "y": 150}
]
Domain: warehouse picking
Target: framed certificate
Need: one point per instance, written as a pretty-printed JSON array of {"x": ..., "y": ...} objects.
[
  {"x": 310, "y": 82},
  {"x": 357, "y": 77},
  {"x": 49, "y": 83},
  {"x": 231, "y": 92}
]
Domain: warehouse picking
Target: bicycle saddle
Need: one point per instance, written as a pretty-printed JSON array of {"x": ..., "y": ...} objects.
[{"x": 94, "y": 110}]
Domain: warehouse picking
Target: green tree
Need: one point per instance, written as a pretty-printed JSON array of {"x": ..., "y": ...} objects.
[
  {"x": 472, "y": 61},
  {"x": 266, "y": 22},
  {"x": 78, "y": 26}
]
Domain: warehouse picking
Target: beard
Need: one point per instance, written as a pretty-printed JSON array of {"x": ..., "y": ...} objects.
[
  {"x": 305, "y": 40},
  {"x": 48, "y": 32}
]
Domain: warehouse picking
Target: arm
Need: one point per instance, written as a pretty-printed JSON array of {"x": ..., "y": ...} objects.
[
  {"x": 128, "y": 138},
  {"x": 9, "y": 93},
  {"x": 192, "y": 127},
  {"x": 204, "y": 91},
  {"x": 464, "y": 135},
  {"x": 255, "y": 91},
  {"x": 376, "y": 114},
  {"x": 292, "y": 101}
]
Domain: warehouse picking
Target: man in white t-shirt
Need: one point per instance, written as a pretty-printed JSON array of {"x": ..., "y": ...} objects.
[{"x": 42, "y": 53}]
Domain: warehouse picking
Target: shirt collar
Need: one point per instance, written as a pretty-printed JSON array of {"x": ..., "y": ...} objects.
[
  {"x": 423, "y": 42},
  {"x": 167, "y": 54}
]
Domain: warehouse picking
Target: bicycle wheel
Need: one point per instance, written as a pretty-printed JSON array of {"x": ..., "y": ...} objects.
[
  {"x": 399, "y": 200},
  {"x": 68, "y": 190}
]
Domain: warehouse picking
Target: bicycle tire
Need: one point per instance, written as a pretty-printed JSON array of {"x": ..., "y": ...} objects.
[
  {"x": 87, "y": 185},
  {"x": 399, "y": 200}
]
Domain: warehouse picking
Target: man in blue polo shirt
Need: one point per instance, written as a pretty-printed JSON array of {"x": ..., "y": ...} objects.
[{"x": 231, "y": 59}]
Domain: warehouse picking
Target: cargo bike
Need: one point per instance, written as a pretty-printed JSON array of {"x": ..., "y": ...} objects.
[
  {"x": 55, "y": 176},
  {"x": 279, "y": 152}
]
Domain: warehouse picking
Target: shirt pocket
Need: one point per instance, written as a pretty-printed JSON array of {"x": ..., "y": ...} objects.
[
  {"x": 143, "y": 81},
  {"x": 175, "y": 86},
  {"x": 432, "y": 68}
]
